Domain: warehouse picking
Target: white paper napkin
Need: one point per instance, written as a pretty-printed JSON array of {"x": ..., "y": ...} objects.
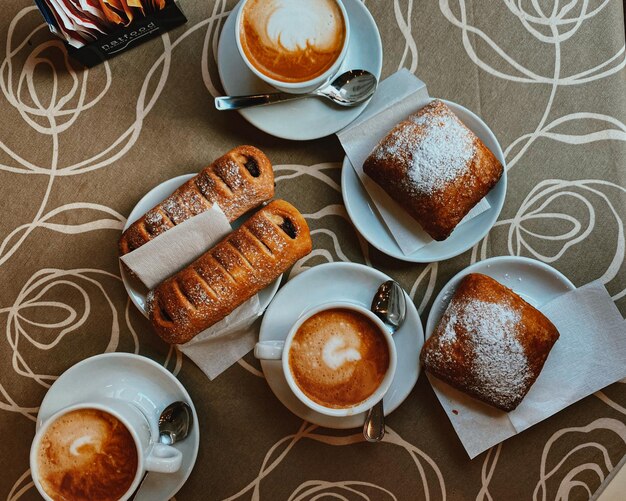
[
  {"x": 218, "y": 347},
  {"x": 589, "y": 355},
  {"x": 178, "y": 247},
  {"x": 395, "y": 99}
]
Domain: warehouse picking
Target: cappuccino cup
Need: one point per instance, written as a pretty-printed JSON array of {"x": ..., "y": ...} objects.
[
  {"x": 339, "y": 358},
  {"x": 295, "y": 46},
  {"x": 97, "y": 450}
]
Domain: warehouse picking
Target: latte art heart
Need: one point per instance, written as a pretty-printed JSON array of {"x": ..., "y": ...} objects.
[
  {"x": 292, "y": 40},
  {"x": 337, "y": 351},
  {"x": 78, "y": 446},
  {"x": 338, "y": 357},
  {"x": 318, "y": 25}
]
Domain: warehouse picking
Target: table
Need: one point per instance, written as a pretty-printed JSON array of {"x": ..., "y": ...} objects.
[{"x": 79, "y": 148}]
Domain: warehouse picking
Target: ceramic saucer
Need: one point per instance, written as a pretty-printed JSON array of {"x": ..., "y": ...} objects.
[
  {"x": 309, "y": 118},
  {"x": 141, "y": 381},
  {"x": 536, "y": 282},
  {"x": 366, "y": 219},
  {"x": 338, "y": 282},
  {"x": 135, "y": 289}
]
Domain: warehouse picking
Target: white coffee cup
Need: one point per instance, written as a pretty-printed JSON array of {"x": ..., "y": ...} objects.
[
  {"x": 296, "y": 87},
  {"x": 151, "y": 456},
  {"x": 279, "y": 350}
]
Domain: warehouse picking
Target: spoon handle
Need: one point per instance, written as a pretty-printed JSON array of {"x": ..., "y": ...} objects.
[
  {"x": 239, "y": 102},
  {"x": 374, "y": 427}
]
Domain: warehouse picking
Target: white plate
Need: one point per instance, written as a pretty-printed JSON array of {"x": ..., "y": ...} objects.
[
  {"x": 309, "y": 118},
  {"x": 135, "y": 379},
  {"x": 338, "y": 282},
  {"x": 135, "y": 289},
  {"x": 614, "y": 485},
  {"x": 366, "y": 219},
  {"x": 536, "y": 282}
]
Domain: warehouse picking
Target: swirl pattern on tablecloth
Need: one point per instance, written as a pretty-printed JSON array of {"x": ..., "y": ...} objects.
[{"x": 57, "y": 163}]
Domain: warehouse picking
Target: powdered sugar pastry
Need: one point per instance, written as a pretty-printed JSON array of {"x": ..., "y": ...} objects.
[
  {"x": 436, "y": 146},
  {"x": 500, "y": 365}
]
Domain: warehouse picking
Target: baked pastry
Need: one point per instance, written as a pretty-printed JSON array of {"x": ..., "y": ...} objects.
[
  {"x": 246, "y": 261},
  {"x": 434, "y": 167},
  {"x": 238, "y": 181},
  {"x": 489, "y": 343}
]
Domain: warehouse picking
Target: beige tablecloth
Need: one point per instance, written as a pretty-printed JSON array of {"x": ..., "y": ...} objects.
[{"x": 79, "y": 148}]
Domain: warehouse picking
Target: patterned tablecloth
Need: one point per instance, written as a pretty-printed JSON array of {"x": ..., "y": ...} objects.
[{"x": 79, "y": 148}]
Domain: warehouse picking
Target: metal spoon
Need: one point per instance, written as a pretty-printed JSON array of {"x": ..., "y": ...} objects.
[
  {"x": 175, "y": 422},
  {"x": 348, "y": 89},
  {"x": 388, "y": 304}
]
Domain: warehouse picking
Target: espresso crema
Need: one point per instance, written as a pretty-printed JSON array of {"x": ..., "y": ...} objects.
[
  {"x": 292, "y": 40},
  {"x": 338, "y": 358},
  {"x": 87, "y": 454}
]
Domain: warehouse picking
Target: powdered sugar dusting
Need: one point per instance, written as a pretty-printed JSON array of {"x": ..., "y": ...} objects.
[
  {"x": 177, "y": 208},
  {"x": 435, "y": 146},
  {"x": 150, "y": 302},
  {"x": 156, "y": 223},
  {"x": 265, "y": 231},
  {"x": 236, "y": 195},
  {"x": 154, "y": 217},
  {"x": 233, "y": 175},
  {"x": 499, "y": 364},
  {"x": 198, "y": 294},
  {"x": 232, "y": 191}
]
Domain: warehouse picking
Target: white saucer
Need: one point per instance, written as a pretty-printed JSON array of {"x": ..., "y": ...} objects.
[
  {"x": 366, "y": 219},
  {"x": 135, "y": 289},
  {"x": 338, "y": 282},
  {"x": 536, "y": 282},
  {"x": 309, "y": 118},
  {"x": 138, "y": 380}
]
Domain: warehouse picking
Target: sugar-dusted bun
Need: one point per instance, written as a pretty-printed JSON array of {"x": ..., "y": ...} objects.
[
  {"x": 489, "y": 343},
  {"x": 246, "y": 261},
  {"x": 434, "y": 167},
  {"x": 238, "y": 181}
]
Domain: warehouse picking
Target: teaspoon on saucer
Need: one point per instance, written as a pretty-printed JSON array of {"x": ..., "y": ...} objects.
[
  {"x": 175, "y": 423},
  {"x": 388, "y": 304},
  {"x": 348, "y": 89}
]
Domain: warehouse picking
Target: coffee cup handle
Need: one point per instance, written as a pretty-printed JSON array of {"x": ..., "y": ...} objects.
[
  {"x": 269, "y": 350},
  {"x": 164, "y": 459}
]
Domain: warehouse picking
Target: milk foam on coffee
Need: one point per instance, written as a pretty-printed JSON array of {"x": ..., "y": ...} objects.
[
  {"x": 338, "y": 357},
  {"x": 338, "y": 350},
  {"x": 87, "y": 454},
  {"x": 292, "y": 40}
]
